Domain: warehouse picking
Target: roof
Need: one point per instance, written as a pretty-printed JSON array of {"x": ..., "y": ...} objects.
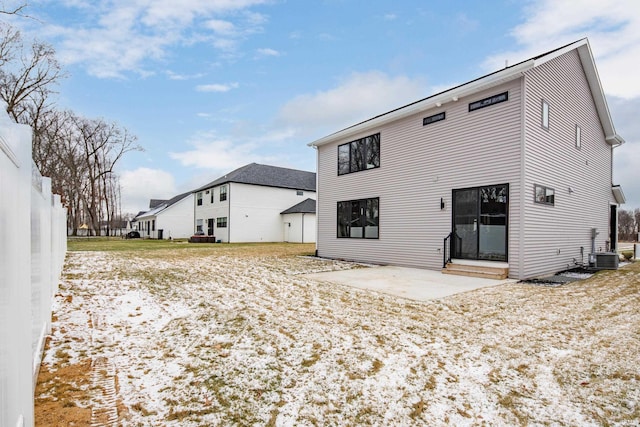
[
  {"x": 306, "y": 206},
  {"x": 490, "y": 80},
  {"x": 164, "y": 205},
  {"x": 154, "y": 203},
  {"x": 270, "y": 176}
]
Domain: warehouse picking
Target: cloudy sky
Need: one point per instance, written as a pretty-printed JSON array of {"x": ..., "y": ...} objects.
[{"x": 211, "y": 85}]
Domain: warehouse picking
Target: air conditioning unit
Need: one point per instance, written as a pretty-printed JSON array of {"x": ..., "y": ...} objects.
[{"x": 606, "y": 261}]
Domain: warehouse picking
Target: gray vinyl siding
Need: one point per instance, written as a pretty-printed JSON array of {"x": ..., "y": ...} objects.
[
  {"x": 419, "y": 165},
  {"x": 553, "y": 235}
]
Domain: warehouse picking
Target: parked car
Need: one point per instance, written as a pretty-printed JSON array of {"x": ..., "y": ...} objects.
[{"x": 133, "y": 235}]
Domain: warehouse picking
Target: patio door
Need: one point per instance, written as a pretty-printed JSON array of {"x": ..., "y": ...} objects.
[{"x": 480, "y": 219}]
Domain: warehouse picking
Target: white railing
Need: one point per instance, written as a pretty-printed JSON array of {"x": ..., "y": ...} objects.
[{"x": 32, "y": 249}]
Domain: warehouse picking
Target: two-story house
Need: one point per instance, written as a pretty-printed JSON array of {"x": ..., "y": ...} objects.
[
  {"x": 513, "y": 169},
  {"x": 258, "y": 203}
]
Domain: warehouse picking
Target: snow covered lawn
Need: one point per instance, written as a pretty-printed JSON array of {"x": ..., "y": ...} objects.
[{"x": 241, "y": 337}]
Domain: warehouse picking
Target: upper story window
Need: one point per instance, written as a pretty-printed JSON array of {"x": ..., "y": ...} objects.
[
  {"x": 578, "y": 137},
  {"x": 212, "y": 195},
  {"x": 544, "y": 195},
  {"x": 299, "y": 193},
  {"x": 199, "y": 198},
  {"x": 223, "y": 193},
  {"x": 545, "y": 114},
  {"x": 487, "y": 102},
  {"x": 359, "y": 155}
]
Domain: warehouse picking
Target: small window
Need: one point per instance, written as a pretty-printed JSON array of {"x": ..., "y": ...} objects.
[
  {"x": 299, "y": 193},
  {"x": 212, "y": 195},
  {"x": 358, "y": 219},
  {"x": 223, "y": 193},
  {"x": 359, "y": 155},
  {"x": 221, "y": 222},
  {"x": 578, "y": 137},
  {"x": 545, "y": 114},
  {"x": 199, "y": 198},
  {"x": 544, "y": 195},
  {"x": 153, "y": 225}
]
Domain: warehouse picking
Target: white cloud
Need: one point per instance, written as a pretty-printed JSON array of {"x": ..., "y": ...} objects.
[
  {"x": 223, "y": 154},
  {"x": 357, "y": 98},
  {"x": 142, "y": 184},
  {"x": 175, "y": 76},
  {"x": 118, "y": 36},
  {"x": 613, "y": 29},
  {"x": 217, "y": 87},
  {"x": 268, "y": 52},
  {"x": 221, "y": 27}
]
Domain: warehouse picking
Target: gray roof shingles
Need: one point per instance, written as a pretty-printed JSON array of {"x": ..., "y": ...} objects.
[
  {"x": 270, "y": 176},
  {"x": 306, "y": 206}
]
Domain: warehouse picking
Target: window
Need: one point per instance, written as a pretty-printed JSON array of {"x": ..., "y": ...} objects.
[
  {"x": 199, "y": 198},
  {"x": 212, "y": 197},
  {"x": 578, "y": 137},
  {"x": 223, "y": 193},
  {"x": 544, "y": 195},
  {"x": 299, "y": 193},
  {"x": 153, "y": 225},
  {"x": 359, "y": 155},
  {"x": 545, "y": 114},
  {"x": 486, "y": 102},
  {"x": 359, "y": 219},
  {"x": 221, "y": 222},
  {"x": 198, "y": 226}
]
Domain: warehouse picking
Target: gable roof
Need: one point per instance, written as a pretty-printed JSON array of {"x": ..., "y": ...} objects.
[
  {"x": 269, "y": 176},
  {"x": 306, "y": 206},
  {"x": 490, "y": 80},
  {"x": 162, "y": 206}
]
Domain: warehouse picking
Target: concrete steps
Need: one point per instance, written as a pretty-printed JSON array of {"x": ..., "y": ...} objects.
[{"x": 497, "y": 273}]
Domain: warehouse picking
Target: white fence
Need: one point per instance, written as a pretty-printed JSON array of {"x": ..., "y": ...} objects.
[{"x": 32, "y": 249}]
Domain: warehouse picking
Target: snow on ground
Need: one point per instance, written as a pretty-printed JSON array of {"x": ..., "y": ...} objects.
[{"x": 233, "y": 339}]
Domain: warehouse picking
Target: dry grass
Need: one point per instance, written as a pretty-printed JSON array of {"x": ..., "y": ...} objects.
[{"x": 236, "y": 335}]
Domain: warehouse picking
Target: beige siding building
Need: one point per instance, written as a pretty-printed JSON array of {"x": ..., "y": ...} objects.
[{"x": 513, "y": 169}]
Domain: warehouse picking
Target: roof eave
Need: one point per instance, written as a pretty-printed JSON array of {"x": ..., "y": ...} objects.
[
  {"x": 435, "y": 101},
  {"x": 618, "y": 194}
]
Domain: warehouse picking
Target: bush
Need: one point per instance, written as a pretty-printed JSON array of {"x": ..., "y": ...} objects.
[{"x": 627, "y": 254}]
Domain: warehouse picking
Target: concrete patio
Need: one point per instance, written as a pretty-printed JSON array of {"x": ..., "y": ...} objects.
[{"x": 412, "y": 283}]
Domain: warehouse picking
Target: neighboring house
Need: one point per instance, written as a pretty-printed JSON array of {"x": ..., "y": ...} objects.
[
  {"x": 249, "y": 205},
  {"x": 167, "y": 219},
  {"x": 300, "y": 222},
  {"x": 517, "y": 163}
]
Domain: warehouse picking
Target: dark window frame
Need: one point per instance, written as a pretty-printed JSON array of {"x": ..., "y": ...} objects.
[
  {"x": 199, "y": 198},
  {"x": 364, "y": 219},
  {"x": 488, "y": 101},
  {"x": 223, "y": 193},
  {"x": 547, "y": 199},
  {"x": 361, "y": 147},
  {"x": 434, "y": 118},
  {"x": 221, "y": 222}
]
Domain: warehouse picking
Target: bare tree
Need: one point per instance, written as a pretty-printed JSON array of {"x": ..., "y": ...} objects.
[
  {"x": 15, "y": 10},
  {"x": 626, "y": 225},
  {"x": 25, "y": 74}
]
